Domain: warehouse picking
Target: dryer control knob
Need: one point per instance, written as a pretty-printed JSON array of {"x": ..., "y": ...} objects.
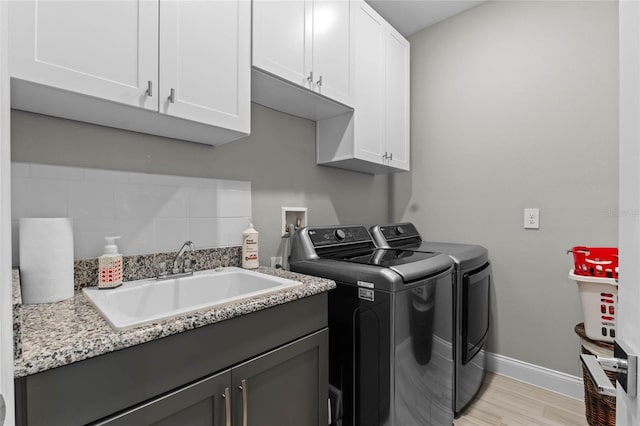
[
  {"x": 400, "y": 230},
  {"x": 339, "y": 234}
]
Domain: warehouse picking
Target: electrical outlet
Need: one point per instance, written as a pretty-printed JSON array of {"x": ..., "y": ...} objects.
[
  {"x": 531, "y": 218},
  {"x": 276, "y": 261}
]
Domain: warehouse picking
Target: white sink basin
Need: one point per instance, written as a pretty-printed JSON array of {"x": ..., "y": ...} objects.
[{"x": 144, "y": 301}]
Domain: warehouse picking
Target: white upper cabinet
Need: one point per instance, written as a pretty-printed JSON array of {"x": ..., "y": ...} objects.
[
  {"x": 104, "y": 49},
  {"x": 204, "y": 66},
  {"x": 307, "y": 44},
  {"x": 116, "y": 63},
  {"x": 374, "y": 138}
]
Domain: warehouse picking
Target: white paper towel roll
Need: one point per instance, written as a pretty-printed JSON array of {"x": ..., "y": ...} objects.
[{"x": 46, "y": 259}]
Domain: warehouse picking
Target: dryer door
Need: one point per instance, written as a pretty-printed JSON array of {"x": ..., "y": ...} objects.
[{"x": 475, "y": 310}]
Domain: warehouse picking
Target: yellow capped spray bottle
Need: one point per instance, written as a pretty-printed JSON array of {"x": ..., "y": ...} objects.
[{"x": 250, "y": 248}]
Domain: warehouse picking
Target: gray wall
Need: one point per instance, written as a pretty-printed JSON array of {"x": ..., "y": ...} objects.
[
  {"x": 514, "y": 105},
  {"x": 278, "y": 158}
]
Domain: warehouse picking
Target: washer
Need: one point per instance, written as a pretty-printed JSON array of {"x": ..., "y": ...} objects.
[
  {"x": 390, "y": 327},
  {"x": 472, "y": 294}
]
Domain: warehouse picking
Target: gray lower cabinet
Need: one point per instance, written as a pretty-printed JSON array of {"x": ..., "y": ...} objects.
[
  {"x": 201, "y": 403},
  {"x": 282, "y": 387},
  {"x": 273, "y": 364}
]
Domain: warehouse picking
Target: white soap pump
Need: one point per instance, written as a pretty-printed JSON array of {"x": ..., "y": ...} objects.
[
  {"x": 250, "y": 248},
  {"x": 110, "y": 265}
]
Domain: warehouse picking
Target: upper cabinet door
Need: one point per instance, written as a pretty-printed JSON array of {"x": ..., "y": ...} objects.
[
  {"x": 282, "y": 38},
  {"x": 103, "y": 49},
  {"x": 307, "y": 43},
  {"x": 205, "y": 66},
  {"x": 370, "y": 32},
  {"x": 332, "y": 68},
  {"x": 397, "y": 99}
]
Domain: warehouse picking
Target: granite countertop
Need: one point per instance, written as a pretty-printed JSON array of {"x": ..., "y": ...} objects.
[{"x": 56, "y": 334}]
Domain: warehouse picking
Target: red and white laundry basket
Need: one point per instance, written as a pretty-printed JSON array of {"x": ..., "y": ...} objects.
[{"x": 596, "y": 273}]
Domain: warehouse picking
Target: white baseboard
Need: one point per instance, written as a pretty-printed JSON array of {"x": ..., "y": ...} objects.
[{"x": 546, "y": 378}]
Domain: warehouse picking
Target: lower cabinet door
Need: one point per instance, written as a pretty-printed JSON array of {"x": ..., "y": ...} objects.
[
  {"x": 205, "y": 402},
  {"x": 287, "y": 386}
]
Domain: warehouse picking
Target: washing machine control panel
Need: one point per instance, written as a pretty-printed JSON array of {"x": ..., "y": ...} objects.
[
  {"x": 400, "y": 230},
  {"x": 321, "y": 237}
]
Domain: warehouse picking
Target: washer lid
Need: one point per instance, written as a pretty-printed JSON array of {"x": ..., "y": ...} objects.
[
  {"x": 390, "y": 257},
  {"x": 410, "y": 265}
]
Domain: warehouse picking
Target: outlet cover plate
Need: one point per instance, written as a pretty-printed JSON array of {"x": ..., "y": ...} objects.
[{"x": 531, "y": 218}]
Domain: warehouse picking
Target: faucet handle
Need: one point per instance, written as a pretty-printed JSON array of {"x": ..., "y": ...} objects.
[
  {"x": 187, "y": 265},
  {"x": 162, "y": 269}
]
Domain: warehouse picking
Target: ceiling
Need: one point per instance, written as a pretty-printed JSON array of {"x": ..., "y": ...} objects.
[{"x": 411, "y": 16}]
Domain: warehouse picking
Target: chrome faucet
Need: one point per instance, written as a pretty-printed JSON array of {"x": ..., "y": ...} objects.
[
  {"x": 187, "y": 268},
  {"x": 186, "y": 264}
]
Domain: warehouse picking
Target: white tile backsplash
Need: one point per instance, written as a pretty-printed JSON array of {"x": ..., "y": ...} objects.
[
  {"x": 91, "y": 200},
  {"x": 38, "y": 198},
  {"x": 233, "y": 203},
  {"x": 237, "y": 185},
  {"x": 229, "y": 230},
  {"x": 19, "y": 170},
  {"x": 88, "y": 236},
  {"x": 203, "y": 202},
  {"x": 20, "y": 205},
  {"x": 129, "y": 202},
  {"x": 151, "y": 212},
  {"x": 171, "y": 233},
  {"x": 205, "y": 230},
  {"x": 138, "y": 235},
  {"x": 107, "y": 176},
  {"x": 208, "y": 183},
  {"x": 43, "y": 171},
  {"x": 173, "y": 200},
  {"x": 154, "y": 179}
]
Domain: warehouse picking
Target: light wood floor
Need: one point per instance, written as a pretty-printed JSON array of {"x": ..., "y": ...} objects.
[{"x": 507, "y": 402}]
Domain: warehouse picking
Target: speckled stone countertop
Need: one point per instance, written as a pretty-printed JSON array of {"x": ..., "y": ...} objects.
[
  {"x": 17, "y": 314},
  {"x": 57, "y": 334}
]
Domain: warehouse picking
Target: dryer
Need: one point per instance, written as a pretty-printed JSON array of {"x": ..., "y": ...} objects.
[{"x": 472, "y": 287}]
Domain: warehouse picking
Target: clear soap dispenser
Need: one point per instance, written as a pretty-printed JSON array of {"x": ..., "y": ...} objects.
[{"x": 110, "y": 265}]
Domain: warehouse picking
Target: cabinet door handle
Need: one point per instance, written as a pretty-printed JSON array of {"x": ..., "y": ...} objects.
[
  {"x": 319, "y": 82},
  {"x": 172, "y": 96},
  {"x": 149, "y": 90},
  {"x": 390, "y": 156},
  {"x": 227, "y": 406},
  {"x": 310, "y": 78},
  {"x": 245, "y": 402}
]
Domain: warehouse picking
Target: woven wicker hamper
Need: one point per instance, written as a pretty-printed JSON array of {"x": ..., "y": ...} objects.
[{"x": 600, "y": 410}]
